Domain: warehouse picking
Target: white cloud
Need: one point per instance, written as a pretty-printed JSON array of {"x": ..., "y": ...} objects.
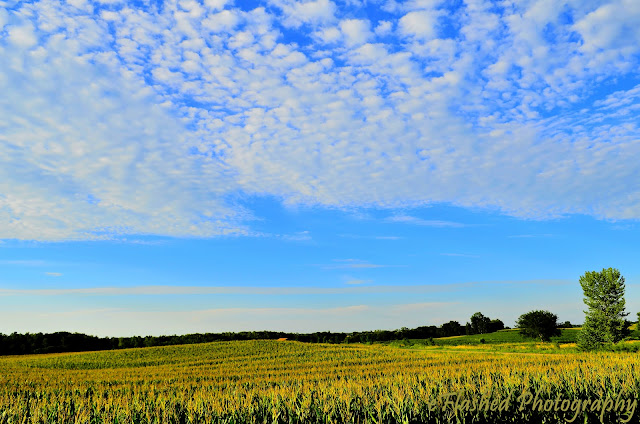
[
  {"x": 356, "y": 236},
  {"x": 145, "y": 121},
  {"x": 4, "y": 18},
  {"x": 158, "y": 290},
  {"x": 421, "y": 4},
  {"x": 357, "y": 282},
  {"x": 406, "y": 219},
  {"x": 22, "y": 36},
  {"x": 216, "y": 4},
  {"x": 53, "y": 274},
  {"x": 383, "y": 28},
  {"x": 88, "y": 152},
  {"x": 612, "y": 26},
  {"x": 223, "y": 21},
  {"x": 460, "y": 255},
  {"x": 355, "y": 31},
  {"x": 77, "y": 3},
  {"x": 422, "y": 24},
  {"x": 24, "y": 262},
  {"x": 300, "y": 12},
  {"x": 329, "y": 35},
  {"x": 353, "y": 264},
  {"x": 299, "y": 236}
]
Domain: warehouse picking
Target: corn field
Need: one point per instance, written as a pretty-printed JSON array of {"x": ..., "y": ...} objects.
[{"x": 290, "y": 382}]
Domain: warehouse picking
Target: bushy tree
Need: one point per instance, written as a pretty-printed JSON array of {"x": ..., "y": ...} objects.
[
  {"x": 496, "y": 325},
  {"x": 468, "y": 330},
  {"x": 480, "y": 323},
  {"x": 539, "y": 325},
  {"x": 451, "y": 328},
  {"x": 604, "y": 321}
]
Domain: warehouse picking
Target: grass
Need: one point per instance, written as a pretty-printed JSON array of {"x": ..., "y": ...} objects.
[
  {"x": 511, "y": 341},
  {"x": 511, "y": 336}
]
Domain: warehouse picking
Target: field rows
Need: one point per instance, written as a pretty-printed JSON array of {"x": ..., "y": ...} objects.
[{"x": 269, "y": 381}]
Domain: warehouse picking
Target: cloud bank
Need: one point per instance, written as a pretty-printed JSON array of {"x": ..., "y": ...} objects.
[
  {"x": 156, "y": 117},
  {"x": 267, "y": 291}
]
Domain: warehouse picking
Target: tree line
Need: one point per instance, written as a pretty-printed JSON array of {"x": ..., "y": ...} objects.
[{"x": 34, "y": 343}]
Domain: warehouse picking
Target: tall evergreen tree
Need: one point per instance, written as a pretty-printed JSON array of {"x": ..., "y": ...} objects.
[{"x": 604, "y": 321}]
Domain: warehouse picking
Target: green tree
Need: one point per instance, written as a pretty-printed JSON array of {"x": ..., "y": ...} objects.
[
  {"x": 604, "y": 321},
  {"x": 495, "y": 325},
  {"x": 538, "y": 325},
  {"x": 479, "y": 323},
  {"x": 451, "y": 328}
]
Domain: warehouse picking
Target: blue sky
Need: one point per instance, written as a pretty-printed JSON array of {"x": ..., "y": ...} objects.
[{"x": 191, "y": 166}]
